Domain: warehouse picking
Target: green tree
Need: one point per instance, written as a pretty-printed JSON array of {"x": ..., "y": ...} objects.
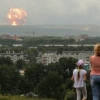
[
  {"x": 67, "y": 65},
  {"x": 35, "y": 74},
  {"x": 25, "y": 86},
  {"x": 59, "y": 51},
  {"x": 20, "y": 64},
  {"x": 70, "y": 95},
  {"x": 32, "y": 54},
  {"x": 51, "y": 86},
  {"x": 6, "y": 61},
  {"x": 9, "y": 77}
]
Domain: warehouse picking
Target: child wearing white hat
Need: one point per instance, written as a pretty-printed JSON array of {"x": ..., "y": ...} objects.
[{"x": 79, "y": 78}]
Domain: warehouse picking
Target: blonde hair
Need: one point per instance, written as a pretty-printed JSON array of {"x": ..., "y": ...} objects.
[
  {"x": 97, "y": 49},
  {"x": 78, "y": 75}
]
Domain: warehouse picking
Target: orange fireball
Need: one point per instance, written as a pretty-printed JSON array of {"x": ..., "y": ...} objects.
[{"x": 17, "y": 16}]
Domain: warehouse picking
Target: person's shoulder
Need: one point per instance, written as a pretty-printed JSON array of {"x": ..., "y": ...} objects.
[
  {"x": 75, "y": 70},
  {"x": 84, "y": 70},
  {"x": 92, "y": 56}
]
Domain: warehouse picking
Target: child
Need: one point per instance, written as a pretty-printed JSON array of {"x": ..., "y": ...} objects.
[{"x": 79, "y": 78}]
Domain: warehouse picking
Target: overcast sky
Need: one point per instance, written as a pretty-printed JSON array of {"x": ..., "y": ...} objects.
[{"x": 54, "y": 12}]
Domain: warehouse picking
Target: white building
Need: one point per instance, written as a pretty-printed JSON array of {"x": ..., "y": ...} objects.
[
  {"x": 52, "y": 58},
  {"x": 14, "y": 56},
  {"x": 17, "y": 45}
]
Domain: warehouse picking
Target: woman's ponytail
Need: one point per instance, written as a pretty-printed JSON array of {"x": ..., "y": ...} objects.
[
  {"x": 78, "y": 75},
  {"x": 80, "y": 65}
]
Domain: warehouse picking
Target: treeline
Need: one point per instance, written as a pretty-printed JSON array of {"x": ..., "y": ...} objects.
[
  {"x": 35, "y": 41},
  {"x": 47, "y": 81},
  {"x": 59, "y": 50},
  {"x": 46, "y": 40},
  {"x": 52, "y": 40}
]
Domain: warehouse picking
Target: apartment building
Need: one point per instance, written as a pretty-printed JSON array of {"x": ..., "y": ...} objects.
[
  {"x": 48, "y": 58},
  {"x": 14, "y": 56},
  {"x": 13, "y": 37},
  {"x": 52, "y": 58},
  {"x": 17, "y": 45},
  {"x": 6, "y": 36}
]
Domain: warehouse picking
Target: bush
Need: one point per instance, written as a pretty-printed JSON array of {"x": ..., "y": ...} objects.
[{"x": 70, "y": 95}]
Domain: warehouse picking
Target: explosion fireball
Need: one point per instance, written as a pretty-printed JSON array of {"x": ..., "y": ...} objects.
[{"x": 17, "y": 16}]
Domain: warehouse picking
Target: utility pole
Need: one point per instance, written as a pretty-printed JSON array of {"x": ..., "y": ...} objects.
[{"x": 33, "y": 33}]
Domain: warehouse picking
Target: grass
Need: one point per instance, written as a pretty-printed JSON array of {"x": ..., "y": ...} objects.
[{"x": 9, "y": 97}]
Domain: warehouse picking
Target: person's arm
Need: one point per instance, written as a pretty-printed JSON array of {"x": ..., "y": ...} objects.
[
  {"x": 85, "y": 77},
  {"x": 72, "y": 78},
  {"x": 90, "y": 59}
]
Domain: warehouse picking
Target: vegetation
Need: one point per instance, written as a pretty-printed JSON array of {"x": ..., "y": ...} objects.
[
  {"x": 39, "y": 43},
  {"x": 46, "y": 81},
  {"x": 52, "y": 81},
  {"x": 10, "y": 97},
  {"x": 36, "y": 41}
]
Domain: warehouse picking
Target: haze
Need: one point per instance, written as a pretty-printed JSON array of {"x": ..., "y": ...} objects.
[{"x": 54, "y": 12}]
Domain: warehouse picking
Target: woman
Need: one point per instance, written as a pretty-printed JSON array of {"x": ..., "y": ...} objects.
[
  {"x": 95, "y": 72},
  {"x": 79, "y": 77}
]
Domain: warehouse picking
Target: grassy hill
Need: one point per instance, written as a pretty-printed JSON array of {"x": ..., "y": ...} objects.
[{"x": 21, "y": 98}]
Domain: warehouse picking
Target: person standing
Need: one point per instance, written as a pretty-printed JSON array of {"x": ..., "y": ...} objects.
[
  {"x": 79, "y": 78},
  {"x": 95, "y": 72}
]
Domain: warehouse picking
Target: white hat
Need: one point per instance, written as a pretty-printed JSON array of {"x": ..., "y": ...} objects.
[{"x": 80, "y": 63}]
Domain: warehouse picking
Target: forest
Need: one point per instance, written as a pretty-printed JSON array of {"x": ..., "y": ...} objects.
[
  {"x": 46, "y": 81},
  {"x": 36, "y": 41}
]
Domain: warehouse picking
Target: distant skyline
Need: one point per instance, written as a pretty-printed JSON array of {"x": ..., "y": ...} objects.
[
  {"x": 54, "y": 12},
  {"x": 51, "y": 30}
]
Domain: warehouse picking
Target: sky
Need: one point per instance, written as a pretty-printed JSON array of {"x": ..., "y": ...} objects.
[{"x": 54, "y": 12}]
